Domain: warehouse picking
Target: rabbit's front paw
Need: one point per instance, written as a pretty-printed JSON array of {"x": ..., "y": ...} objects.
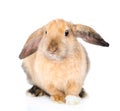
[{"x": 70, "y": 99}]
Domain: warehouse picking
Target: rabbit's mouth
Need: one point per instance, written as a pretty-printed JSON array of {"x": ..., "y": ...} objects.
[{"x": 58, "y": 55}]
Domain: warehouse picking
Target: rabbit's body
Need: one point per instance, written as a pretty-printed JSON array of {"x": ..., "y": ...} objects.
[
  {"x": 61, "y": 74},
  {"x": 55, "y": 61}
]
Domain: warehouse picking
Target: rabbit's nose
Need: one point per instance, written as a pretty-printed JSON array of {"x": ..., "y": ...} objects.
[
  {"x": 53, "y": 46},
  {"x": 53, "y": 49}
]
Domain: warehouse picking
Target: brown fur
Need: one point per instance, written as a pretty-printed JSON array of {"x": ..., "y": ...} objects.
[
  {"x": 59, "y": 64},
  {"x": 36, "y": 91}
]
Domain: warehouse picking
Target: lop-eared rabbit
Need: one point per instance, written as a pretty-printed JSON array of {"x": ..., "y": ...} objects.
[{"x": 56, "y": 63}]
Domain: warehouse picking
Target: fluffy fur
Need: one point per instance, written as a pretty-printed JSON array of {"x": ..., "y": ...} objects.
[{"x": 55, "y": 61}]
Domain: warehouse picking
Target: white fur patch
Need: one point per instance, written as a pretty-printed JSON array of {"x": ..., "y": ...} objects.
[{"x": 72, "y": 100}]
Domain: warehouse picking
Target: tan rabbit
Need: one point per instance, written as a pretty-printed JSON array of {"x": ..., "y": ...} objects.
[{"x": 55, "y": 62}]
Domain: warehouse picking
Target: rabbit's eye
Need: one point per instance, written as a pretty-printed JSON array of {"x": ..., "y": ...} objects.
[
  {"x": 45, "y": 32},
  {"x": 66, "y": 32}
]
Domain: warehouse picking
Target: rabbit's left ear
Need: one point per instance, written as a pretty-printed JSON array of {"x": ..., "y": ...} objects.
[{"x": 89, "y": 35}]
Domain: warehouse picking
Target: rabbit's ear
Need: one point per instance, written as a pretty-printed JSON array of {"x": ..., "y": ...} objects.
[
  {"x": 89, "y": 35},
  {"x": 31, "y": 44}
]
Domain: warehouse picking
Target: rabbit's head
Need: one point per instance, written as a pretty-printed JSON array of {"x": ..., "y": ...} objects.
[{"x": 58, "y": 39}]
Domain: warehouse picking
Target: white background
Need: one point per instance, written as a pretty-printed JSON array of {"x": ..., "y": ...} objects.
[{"x": 19, "y": 18}]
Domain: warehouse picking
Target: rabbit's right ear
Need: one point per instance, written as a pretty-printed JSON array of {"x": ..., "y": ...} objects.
[{"x": 31, "y": 44}]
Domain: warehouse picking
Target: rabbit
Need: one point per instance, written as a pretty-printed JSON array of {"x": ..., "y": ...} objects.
[{"x": 55, "y": 62}]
